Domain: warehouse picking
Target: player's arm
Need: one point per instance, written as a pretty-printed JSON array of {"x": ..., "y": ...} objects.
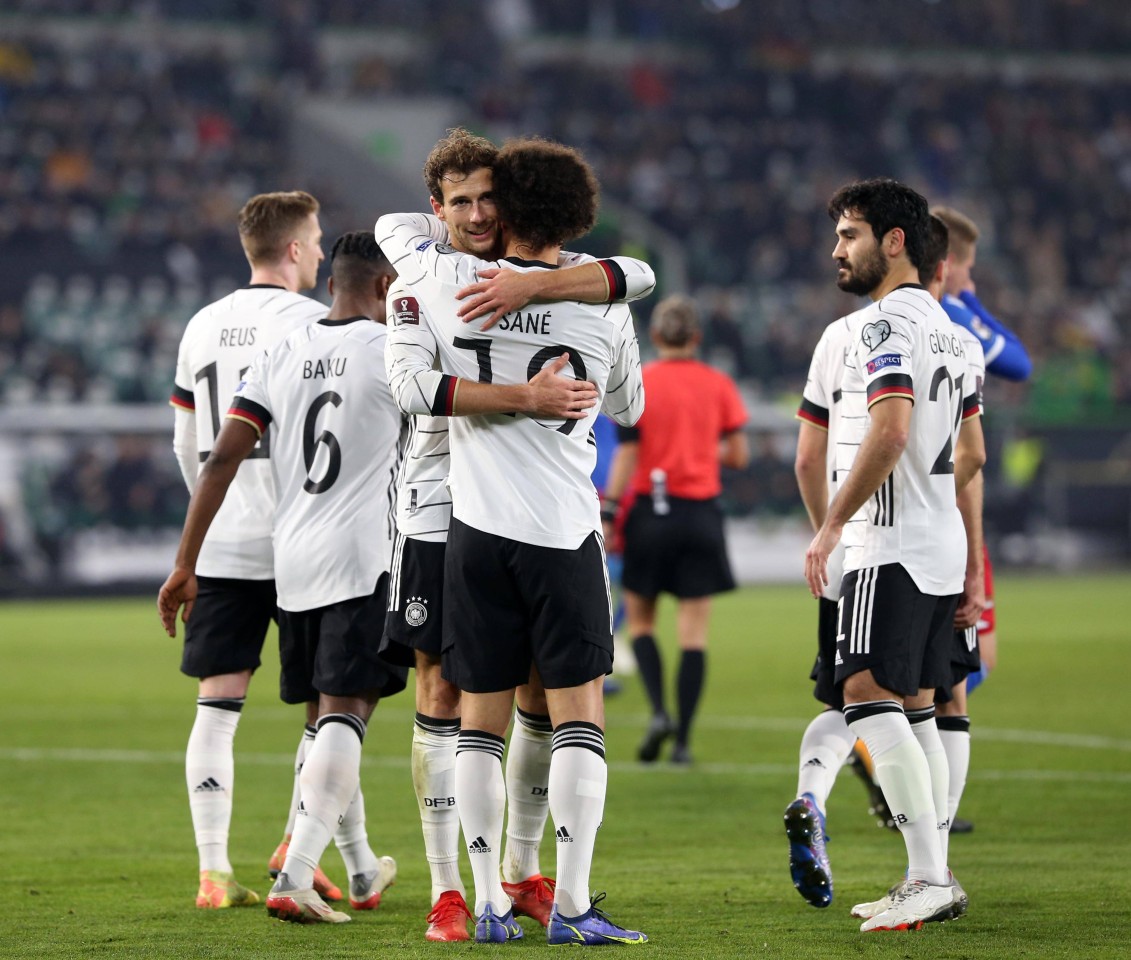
[
  {"x": 969, "y": 452},
  {"x": 973, "y": 599},
  {"x": 183, "y": 402},
  {"x": 1006, "y": 355},
  {"x": 810, "y": 470},
  {"x": 624, "y": 393},
  {"x": 184, "y": 445},
  {"x": 620, "y": 473},
  {"x": 734, "y": 449},
  {"x": 499, "y": 292},
  {"x": 410, "y": 242},
  {"x": 419, "y": 388},
  {"x": 810, "y": 464},
  {"x": 880, "y": 451},
  {"x": 411, "y": 358},
  {"x": 237, "y": 439},
  {"x": 547, "y": 395}
]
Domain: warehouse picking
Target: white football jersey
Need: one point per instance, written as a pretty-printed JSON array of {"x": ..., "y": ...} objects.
[
  {"x": 511, "y": 475},
  {"x": 904, "y": 345},
  {"x": 424, "y": 502},
  {"x": 822, "y": 404},
  {"x": 976, "y": 359},
  {"x": 334, "y": 458},
  {"x": 217, "y": 347}
]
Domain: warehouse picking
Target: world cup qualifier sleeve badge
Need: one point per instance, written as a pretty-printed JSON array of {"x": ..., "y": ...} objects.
[
  {"x": 406, "y": 310},
  {"x": 416, "y": 612}
]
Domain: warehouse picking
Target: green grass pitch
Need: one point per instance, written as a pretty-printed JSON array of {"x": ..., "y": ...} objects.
[{"x": 98, "y": 855}]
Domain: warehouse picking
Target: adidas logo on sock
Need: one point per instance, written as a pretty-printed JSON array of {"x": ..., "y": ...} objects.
[
  {"x": 815, "y": 762},
  {"x": 478, "y": 845},
  {"x": 208, "y": 786},
  {"x": 563, "y": 835}
]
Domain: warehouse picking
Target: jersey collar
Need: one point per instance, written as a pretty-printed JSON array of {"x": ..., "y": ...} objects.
[
  {"x": 327, "y": 322},
  {"x": 519, "y": 262},
  {"x": 264, "y": 286},
  {"x": 910, "y": 286}
]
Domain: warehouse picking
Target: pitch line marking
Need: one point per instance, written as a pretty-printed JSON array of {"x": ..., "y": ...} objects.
[
  {"x": 176, "y": 757},
  {"x": 1039, "y": 738}
]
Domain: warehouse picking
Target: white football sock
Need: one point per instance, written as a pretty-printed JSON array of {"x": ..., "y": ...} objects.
[
  {"x": 825, "y": 745},
  {"x": 210, "y": 776},
  {"x": 481, "y": 797},
  {"x": 433, "y": 779},
  {"x": 330, "y": 777},
  {"x": 905, "y": 778},
  {"x": 955, "y": 735},
  {"x": 927, "y": 733},
  {"x": 528, "y": 802},
  {"x": 578, "y": 779},
  {"x": 296, "y": 793},
  {"x": 352, "y": 840}
]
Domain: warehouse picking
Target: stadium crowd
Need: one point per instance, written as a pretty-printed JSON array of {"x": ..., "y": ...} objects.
[{"x": 123, "y": 165}]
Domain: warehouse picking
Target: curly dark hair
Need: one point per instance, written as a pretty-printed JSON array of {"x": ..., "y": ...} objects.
[
  {"x": 355, "y": 259},
  {"x": 460, "y": 152},
  {"x": 545, "y": 192},
  {"x": 885, "y": 204},
  {"x": 938, "y": 242}
]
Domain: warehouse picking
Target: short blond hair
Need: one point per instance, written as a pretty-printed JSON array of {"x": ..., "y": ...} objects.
[
  {"x": 268, "y": 222},
  {"x": 963, "y": 232},
  {"x": 675, "y": 321}
]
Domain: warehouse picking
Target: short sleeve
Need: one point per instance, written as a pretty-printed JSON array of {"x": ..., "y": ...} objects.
[
  {"x": 251, "y": 404},
  {"x": 815, "y": 401},
  {"x": 734, "y": 410},
  {"x": 883, "y": 354},
  {"x": 182, "y": 396}
]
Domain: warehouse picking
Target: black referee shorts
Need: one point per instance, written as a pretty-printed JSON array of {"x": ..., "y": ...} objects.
[
  {"x": 335, "y": 650},
  {"x": 682, "y": 552},
  {"x": 227, "y": 627}
]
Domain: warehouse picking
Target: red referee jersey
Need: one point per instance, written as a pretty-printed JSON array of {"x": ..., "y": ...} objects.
[{"x": 688, "y": 408}]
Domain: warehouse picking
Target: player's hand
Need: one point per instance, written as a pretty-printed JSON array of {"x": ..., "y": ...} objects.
[
  {"x": 497, "y": 293},
  {"x": 817, "y": 558},
  {"x": 971, "y": 603},
  {"x": 560, "y": 398},
  {"x": 179, "y": 589}
]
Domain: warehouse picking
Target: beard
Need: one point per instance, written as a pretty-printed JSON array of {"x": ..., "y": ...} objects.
[{"x": 865, "y": 276}]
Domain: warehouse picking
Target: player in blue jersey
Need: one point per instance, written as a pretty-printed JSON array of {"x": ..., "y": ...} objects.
[{"x": 1006, "y": 356}]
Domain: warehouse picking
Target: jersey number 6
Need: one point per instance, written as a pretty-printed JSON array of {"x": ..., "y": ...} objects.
[{"x": 310, "y": 445}]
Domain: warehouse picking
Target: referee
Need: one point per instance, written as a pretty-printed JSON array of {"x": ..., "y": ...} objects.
[{"x": 667, "y": 473}]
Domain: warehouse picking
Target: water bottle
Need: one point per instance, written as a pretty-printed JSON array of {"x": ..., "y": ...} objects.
[{"x": 660, "y": 505}]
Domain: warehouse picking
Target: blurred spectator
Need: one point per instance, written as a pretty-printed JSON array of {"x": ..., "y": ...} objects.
[{"x": 122, "y": 163}]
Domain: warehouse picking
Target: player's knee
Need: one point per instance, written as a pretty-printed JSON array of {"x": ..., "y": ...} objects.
[{"x": 435, "y": 696}]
